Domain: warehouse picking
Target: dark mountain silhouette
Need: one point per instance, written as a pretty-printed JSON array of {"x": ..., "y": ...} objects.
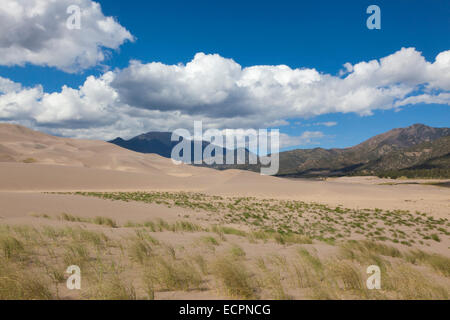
[
  {"x": 160, "y": 143},
  {"x": 150, "y": 142}
]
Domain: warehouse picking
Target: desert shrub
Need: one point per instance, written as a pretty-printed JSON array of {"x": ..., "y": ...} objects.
[{"x": 29, "y": 160}]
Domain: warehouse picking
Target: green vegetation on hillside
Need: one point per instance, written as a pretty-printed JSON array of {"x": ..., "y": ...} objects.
[
  {"x": 435, "y": 173},
  {"x": 422, "y": 151}
]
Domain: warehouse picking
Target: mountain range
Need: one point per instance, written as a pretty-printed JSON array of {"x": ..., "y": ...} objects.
[
  {"x": 417, "y": 148},
  {"x": 397, "y": 149},
  {"x": 150, "y": 142},
  {"x": 161, "y": 143}
]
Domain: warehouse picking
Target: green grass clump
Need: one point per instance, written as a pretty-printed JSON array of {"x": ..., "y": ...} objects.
[
  {"x": 140, "y": 250},
  {"x": 292, "y": 238},
  {"x": 311, "y": 259},
  {"x": 167, "y": 273},
  {"x": 76, "y": 254},
  {"x": 316, "y": 221},
  {"x": 435, "y": 237},
  {"x": 209, "y": 240},
  {"x": 228, "y": 230},
  {"x": 372, "y": 247},
  {"x": 71, "y": 218},
  {"x": 235, "y": 278},
  {"x": 105, "y": 222},
  {"x": 237, "y": 251},
  {"x": 29, "y": 160},
  {"x": 346, "y": 276}
]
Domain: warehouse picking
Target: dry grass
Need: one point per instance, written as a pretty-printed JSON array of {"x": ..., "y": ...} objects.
[
  {"x": 235, "y": 279},
  {"x": 105, "y": 221},
  {"x": 142, "y": 261},
  {"x": 271, "y": 279},
  {"x": 11, "y": 247},
  {"x": 437, "y": 262},
  {"x": 168, "y": 274},
  {"x": 16, "y": 282},
  {"x": 111, "y": 287},
  {"x": 405, "y": 282}
]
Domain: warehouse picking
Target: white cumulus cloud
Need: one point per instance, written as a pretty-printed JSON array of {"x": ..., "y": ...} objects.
[
  {"x": 35, "y": 32},
  {"x": 215, "y": 86},
  {"x": 223, "y": 94}
]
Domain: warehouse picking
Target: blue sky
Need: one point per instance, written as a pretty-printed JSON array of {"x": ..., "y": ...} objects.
[{"x": 320, "y": 35}]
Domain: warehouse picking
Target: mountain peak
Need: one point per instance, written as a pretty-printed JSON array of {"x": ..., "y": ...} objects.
[
  {"x": 418, "y": 125},
  {"x": 154, "y": 135},
  {"x": 116, "y": 140}
]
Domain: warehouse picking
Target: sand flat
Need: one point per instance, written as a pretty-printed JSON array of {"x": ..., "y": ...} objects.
[{"x": 350, "y": 192}]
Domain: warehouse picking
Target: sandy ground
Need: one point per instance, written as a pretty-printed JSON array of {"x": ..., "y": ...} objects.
[
  {"x": 62, "y": 164},
  {"x": 356, "y": 192},
  {"x": 33, "y": 164},
  {"x": 21, "y": 206}
]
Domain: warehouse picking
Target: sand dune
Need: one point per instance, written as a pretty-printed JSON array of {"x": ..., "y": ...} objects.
[
  {"x": 59, "y": 164},
  {"x": 19, "y": 144},
  {"x": 53, "y": 227}
]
